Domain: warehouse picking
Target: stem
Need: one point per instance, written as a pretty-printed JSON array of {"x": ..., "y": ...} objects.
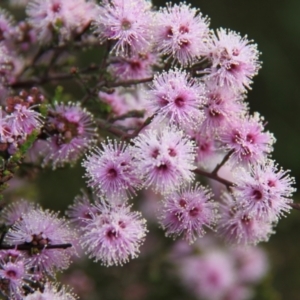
[
  {"x": 214, "y": 176},
  {"x": 130, "y": 114},
  {"x": 222, "y": 163},
  {"x": 295, "y": 205},
  {"x": 25, "y": 247},
  {"x": 127, "y": 82}
]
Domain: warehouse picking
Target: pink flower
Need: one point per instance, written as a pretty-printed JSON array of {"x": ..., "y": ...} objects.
[
  {"x": 252, "y": 263},
  {"x": 209, "y": 276},
  {"x": 164, "y": 159},
  {"x": 73, "y": 132},
  {"x": 51, "y": 291},
  {"x": 7, "y": 29},
  {"x": 14, "y": 211},
  {"x": 264, "y": 191},
  {"x": 24, "y": 120},
  {"x": 111, "y": 171},
  {"x": 222, "y": 106},
  {"x": 177, "y": 98},
  {"x": 137, "y": 66},
  {"x": 62, "y": 17},
  {"x": 237, "y": 226},
  {"x": 246, "y": 138},
  {"x": 38, "y": 227},
  {"x": 81, "y": 211},
  {"x": 188, "y": 212},
  {"x": 181, "y": 32},
  {"x": 234, "y": 60},
  {"x": 114, "y": 234},
  {"x": 127, "y": 22},
  {"x": 14, "y": 272}
]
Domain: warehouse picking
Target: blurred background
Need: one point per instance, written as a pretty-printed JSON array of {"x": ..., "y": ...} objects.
[{"x": 275, "y": 27}]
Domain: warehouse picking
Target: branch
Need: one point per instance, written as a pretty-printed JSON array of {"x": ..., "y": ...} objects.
[
  {"x": 295, "y": 205},
  {"x": 222, "y": 163},
  {"x": 214, "y": 176},
  {"x": 25, "y": 247}
]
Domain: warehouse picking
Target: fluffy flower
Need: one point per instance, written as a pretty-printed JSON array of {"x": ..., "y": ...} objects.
[
  {"x": 42, "y": 228},
  {"x": 164, "y": 159},
  {"x": 221, "y": 107},
  {"x": 62, "y": 17},
  {"x": 127, "y": 22},
  {"x": 114, "y": 234},
  {"x": 51, "y": 292},
  {"x": 237, "y": 226},
  {"x": 209, "y": 276},
  {"x": 111, "y": 171},
  {"x": 72, "y": 132},
  {"x": 264, "y": 191},
  {"x": 246, "y": 138},
  {"x": 177, "y": 98},
  {"x": 187, "y": 212},
  {"x": 81, "y": 211},
  {"x": 14, "y": 211},
  {"x": 7, "y": 29},
  {"x": 137, "y": 66},
  {"x": 13, "y": 271},
  {"x": 234, "y": 60},
  {"x": 181, "y": 32}
]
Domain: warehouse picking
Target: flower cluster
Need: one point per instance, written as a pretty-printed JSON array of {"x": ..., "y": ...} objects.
[{"x": 164, "y": 106}]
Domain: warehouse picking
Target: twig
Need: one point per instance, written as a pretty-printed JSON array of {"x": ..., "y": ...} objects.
[
  {"x": 222, "y": 163},
  {"x": 214, "y": 176},
  {"x": 25, "y": 247}
]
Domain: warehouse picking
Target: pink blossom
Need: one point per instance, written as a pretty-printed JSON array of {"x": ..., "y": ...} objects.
[
  {"x": 237, "y": 226},
  {"x": 62, "y": 17},
  {"x": 127, "y": 22},
  {"x": 14, "y": 211},
  {"x": 209, "y": 276},
  {"x": 181, "y": 32},
  {"x": 114, "y": 234},
  {"x": 177, "y": 98},
  {"x": 252, "y": 263},
  {"x": 52, "y": 291},
  {"x": 14, "y": 272},
  {"x": 111, "y": 171},
  {"x": 38, "y": 227},
  {"x": 73, "y": 132},
  {"x": 137, "y": 66},
  {"x": 264, "y": 191},
  {"x": 164, "y": 159},
  {"x": 247, "y": 139},
  {"x": 80, "y": 212},
  {"x": 234, "y": 60},
  {"x": 188, "y": 212}
]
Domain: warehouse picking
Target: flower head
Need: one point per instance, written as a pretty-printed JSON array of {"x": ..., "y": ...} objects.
[
  {"x": 237, "y": 226},
  {"x": 245, "y": 136},
  {"x": 51, "y": 291},
  {"x": 72, "y": 132},
  {"x": 14, "y": 211},
  {"x": 42, "y": 228},
  {"x": 13, "y": 271},
  {"x": 234, "y": 60},
  {"x": 62, "y": 17},
  {"x": 177, "y": 98},
  {"x": 114, "y": 234},
  {"x": 164, "y": 159},
  {"x": 181, "y": 32},
  {"x": 264, "y": 191},
  {"x": 127, "y": 22},
  {"x": 188, "y": 212},
  {"x": 111, "y": 171}
]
